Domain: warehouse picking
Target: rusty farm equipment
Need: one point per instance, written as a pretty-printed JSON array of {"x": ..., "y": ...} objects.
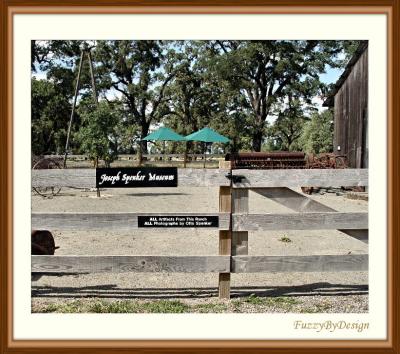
[
  {"x": 326, "y": 160},
  {"x": 267, "y": 160},
  {"x": 43, "y": 163},
  {"x": 42, "y": 242},
  {"x": 286, "y": 160}
]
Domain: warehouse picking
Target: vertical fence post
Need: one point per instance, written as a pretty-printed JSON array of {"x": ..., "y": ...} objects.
[
  {"x": 225, "y": 236},
  {"x": 240, "y": 204},
  {"x": 225, "y": 241}
]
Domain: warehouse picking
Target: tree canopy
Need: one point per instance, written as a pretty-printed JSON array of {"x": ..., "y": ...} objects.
[{"x": 260, "y": 94}]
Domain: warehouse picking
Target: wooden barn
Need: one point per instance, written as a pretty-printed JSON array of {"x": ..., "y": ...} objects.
[{"x": 349, "y": 100}]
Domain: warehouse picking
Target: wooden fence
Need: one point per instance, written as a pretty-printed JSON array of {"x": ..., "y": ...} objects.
[
  {"x": 235, "y": 222},
  {"x": 135, "y": 156}
]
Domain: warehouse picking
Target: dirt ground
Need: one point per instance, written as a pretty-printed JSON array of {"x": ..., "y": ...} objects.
[{"x": 342, "y": 291}]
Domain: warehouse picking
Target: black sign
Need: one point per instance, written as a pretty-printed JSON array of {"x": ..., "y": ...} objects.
[
  {"x": 178, "y": 221},
  {"x": 136, "y": 177}
]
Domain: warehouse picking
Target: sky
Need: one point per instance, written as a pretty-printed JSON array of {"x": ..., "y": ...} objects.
[{"x": 331, "y": 76}]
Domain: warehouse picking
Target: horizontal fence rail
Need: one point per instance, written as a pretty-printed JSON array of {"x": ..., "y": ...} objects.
[
  {"x": 300, "y": 178},
  {"x": 111, "y": 221},
  {"x": 198, "y": 264},
  {"x": 241, "y": 222},
  {"x": 299, "y": 221},
  {"x": 118, "y": 264},
  {"x": 86, "y": 178},
  {"x": 135, "y": 157},
  {"x": 318, "y": 263},
  {"x": 300, "y": 203}
]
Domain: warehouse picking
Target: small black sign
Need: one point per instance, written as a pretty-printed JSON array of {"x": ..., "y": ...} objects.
[
  {"x": 178, "y": 221},
  {"x": 136, "y": 177}
]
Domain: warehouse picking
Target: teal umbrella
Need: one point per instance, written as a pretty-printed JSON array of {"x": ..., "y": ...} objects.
[
  {"x": 164, "y": 134},
  {"x": 207, "y": 135}
]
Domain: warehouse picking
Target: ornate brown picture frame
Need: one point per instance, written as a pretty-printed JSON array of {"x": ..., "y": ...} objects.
[{"x": 9, "y": 8}]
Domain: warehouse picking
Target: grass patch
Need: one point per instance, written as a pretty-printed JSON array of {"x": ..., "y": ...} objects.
[
  {"x": 280, "y": 302},
  {"x": 161, "y": 306},
  {"x": 125, "y": 306},
  {"x": 251, "y": 303},
  {"x": 236, "y": 305},
  {"x": 210, "y": 308},
  {"x": 68, "y": 307},
  {"x": 317, "y": 308},
  {"x": 285, "y": 239},
  {"x": 283, "y": 300},
  {"x": 255, "y": 300},
  {"x": 113, "y": 307},
  {"x": 164, "y": 306}
]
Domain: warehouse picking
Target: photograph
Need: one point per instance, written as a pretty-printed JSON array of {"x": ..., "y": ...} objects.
[{"x": 200, "y": 176}]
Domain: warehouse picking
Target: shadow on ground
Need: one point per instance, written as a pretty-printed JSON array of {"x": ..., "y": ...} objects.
[
  {"x": 112, "y": 291},
  {"x": 151, "y": 194}
]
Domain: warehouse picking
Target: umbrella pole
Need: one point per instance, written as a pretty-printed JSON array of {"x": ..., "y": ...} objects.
[
  {"x": 185, "y": 154},
  {"x": 204, "y": 154},
  {"x": 164, "y": 151}
]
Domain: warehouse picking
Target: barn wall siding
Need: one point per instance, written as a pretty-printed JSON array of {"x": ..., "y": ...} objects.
[{"x": 350, "y": 112}]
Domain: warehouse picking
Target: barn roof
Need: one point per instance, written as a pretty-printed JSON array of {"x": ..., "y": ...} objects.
[{"x": 357, "y": 54}]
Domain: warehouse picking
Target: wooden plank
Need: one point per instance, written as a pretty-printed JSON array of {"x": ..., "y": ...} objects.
[
  {"x": 108, "y": 221},
  {"x": 181, "y": 156},
  {"x": 301, "y": 203},
  {"x": 69, "y": 157},
  {"x": 299, "y": 221},
  {"x": 357, "y": 196},
  {"x": 224, "y": 285},
  {"x": 301, "y": 178},
  {"x": 226, "y": 165},
  {"x": 225, "y": 241},
  {"x": 194, "y": 177},
  {"x": 136, "y": 264},
  {"x": 361, "y": 235},
  {"x": 317, "y": 263},
  {"x": 350, "y": 107},
  {"x": 77, "y": 178},
  {"x": 292, "y": 200},
  {"x": 130, "y": 156},
  {"x": 86, "y": 178},
  {"x": 240, "y": 238}
]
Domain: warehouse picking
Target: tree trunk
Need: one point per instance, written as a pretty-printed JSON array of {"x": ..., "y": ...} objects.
[
  {"x": 257, "y": 140},
  {"x": 96, "y": 163},
  {"x": 143, "y": 143},
  {"x": 185, "y": 155}
]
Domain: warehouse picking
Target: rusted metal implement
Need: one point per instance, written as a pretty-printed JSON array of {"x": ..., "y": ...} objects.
[
  {"x": 285, "y": 160},
  {"x": 42, "y": 242},
  {"x": 42, "y": 163},
  {"x": 326, "y": 160},
  {"x": 267, "y": 160}
]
